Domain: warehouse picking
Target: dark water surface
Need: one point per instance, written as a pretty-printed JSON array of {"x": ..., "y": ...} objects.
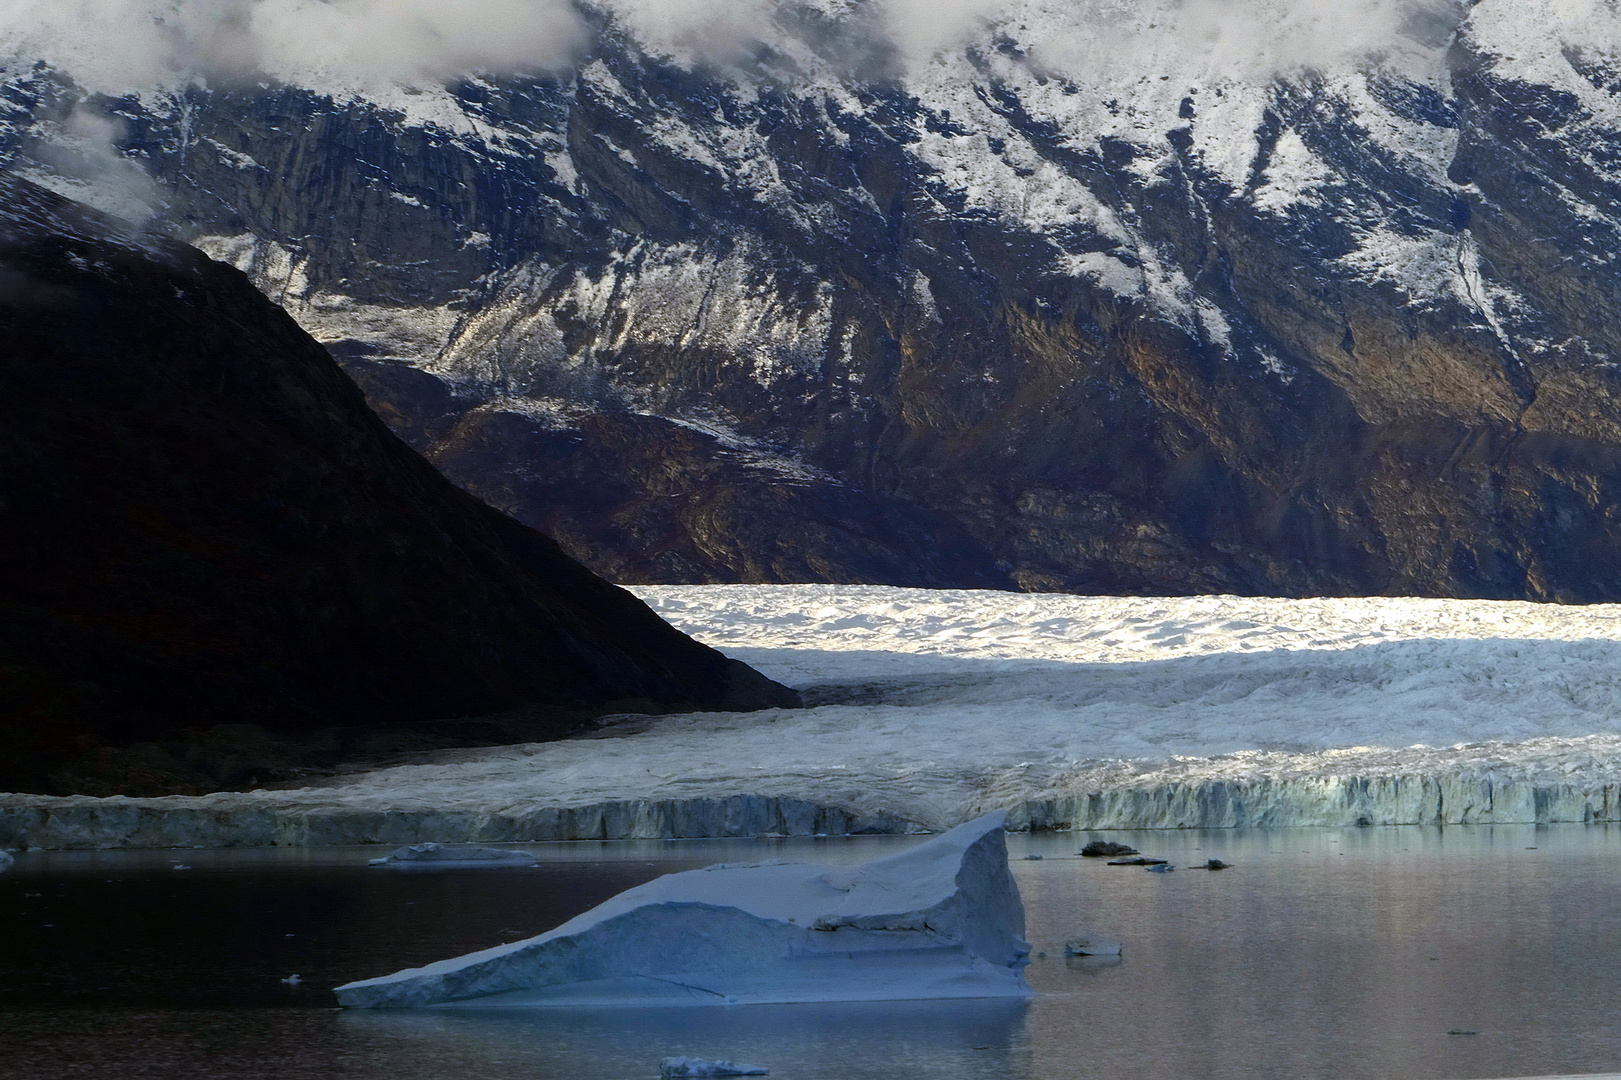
[{"x": 1321, "y": 953}]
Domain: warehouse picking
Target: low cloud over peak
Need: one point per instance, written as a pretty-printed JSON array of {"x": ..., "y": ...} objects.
[{"x": 121, "y": 45}]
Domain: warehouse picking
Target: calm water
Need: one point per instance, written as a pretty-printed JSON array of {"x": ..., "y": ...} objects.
[{"x": 1347, "y": 954}]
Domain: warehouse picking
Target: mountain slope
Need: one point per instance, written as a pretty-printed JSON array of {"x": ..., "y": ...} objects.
[
  {"x": 1086, "y": 303},
  {"x": 205, "y": 524}
]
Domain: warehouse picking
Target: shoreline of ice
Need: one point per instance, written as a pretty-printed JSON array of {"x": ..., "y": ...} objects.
[
  {"x": 75, "y": 823},
  {"x": 1065, "y": 711}
]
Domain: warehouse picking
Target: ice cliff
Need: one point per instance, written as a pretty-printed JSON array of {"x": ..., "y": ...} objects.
[{"x": 940, "y": 920}]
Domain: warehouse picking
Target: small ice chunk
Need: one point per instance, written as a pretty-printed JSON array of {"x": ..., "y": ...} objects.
[
  {"x": 939, "y": 920},
  {"x": 685, "y": 1066},
  {"x": 292, "y": 980},
  {"x": 447, "y": 853},
  {"x": 1091, "y": 945}
]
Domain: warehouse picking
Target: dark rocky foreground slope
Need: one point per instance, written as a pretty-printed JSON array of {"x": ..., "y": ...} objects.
[{"x": 203, "y": 523}]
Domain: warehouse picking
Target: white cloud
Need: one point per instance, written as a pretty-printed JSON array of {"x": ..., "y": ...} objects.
[
  {"x": 78, "y": 156},
  {"x": 117, "y": 46},
  {"x": 1241, "y": 40}
]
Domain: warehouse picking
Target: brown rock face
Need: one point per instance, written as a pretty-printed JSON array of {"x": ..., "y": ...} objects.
[
  {"x": 1345, "y": 331},
  {"x": 203, "y": 523}
]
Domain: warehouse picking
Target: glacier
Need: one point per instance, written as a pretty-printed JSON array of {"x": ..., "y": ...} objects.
[
  {"x": 939, "y": 920},
  {"x": 929, "y": 708}
]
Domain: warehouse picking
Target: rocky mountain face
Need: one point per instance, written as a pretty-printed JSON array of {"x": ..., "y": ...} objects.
[
  {"x": 204, "y": 524},
  {"x": 1100, "y": 311}
]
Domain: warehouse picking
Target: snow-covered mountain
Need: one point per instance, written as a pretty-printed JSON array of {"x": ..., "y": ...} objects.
[{"x": 1269, "y": 296}]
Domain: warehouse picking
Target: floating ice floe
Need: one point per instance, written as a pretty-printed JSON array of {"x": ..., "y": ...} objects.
[
  {"x": 1091, "y": 945},
  {"x": 940, "y": 920},
  {"x": 413, "y": 855},
  {"x": 685, "y": 1066}
]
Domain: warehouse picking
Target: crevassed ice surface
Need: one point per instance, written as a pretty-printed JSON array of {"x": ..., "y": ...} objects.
[{"x": 931, "y": 707}]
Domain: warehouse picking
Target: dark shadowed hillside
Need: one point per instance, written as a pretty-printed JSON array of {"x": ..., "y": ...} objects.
[{"x": 204, "y": 524}]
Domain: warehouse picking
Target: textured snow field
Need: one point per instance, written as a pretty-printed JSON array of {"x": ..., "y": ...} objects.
[{"x": 931, "y": 707}]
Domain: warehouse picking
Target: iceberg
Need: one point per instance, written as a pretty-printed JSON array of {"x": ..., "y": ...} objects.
[
  {"x": 434, "y": 854},
  {"x": 939, "y": 920},
  {"x": 1091, "y": 945},
  {"x": 683, "y": 1066},
  {"x": 5, "y": 860}
]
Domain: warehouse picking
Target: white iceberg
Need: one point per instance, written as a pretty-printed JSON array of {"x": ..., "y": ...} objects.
[
  {"x": 685, "y": 1066},
  {"x": 1091, "y": 945},
  {"x": 455, "y": 854},
  {"x": 939, "y": 920}
]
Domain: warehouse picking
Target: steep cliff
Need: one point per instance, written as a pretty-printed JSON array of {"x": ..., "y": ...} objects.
[
  {"x": 1075, "y": 305},
  {"x": 205, "y": 524}
]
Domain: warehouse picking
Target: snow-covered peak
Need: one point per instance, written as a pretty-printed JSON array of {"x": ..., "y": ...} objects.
[{"x": 1568, "y": 47}]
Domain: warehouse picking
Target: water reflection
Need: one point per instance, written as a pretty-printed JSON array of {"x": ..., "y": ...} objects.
[
  {"x": 1336, "y": 953},
  {"x": 1322, "y": 953},
  {"x": 881, "y": 1041}
]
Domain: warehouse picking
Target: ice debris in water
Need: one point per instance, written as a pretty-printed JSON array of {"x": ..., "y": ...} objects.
[
  {"x": 1099, "y": 849},
  {"x": 939, "y": 920},
  {"x": 1091, "y": 945},
  {"x": 448, "y": 853},
  {"x": 685, "y": 1066}
]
